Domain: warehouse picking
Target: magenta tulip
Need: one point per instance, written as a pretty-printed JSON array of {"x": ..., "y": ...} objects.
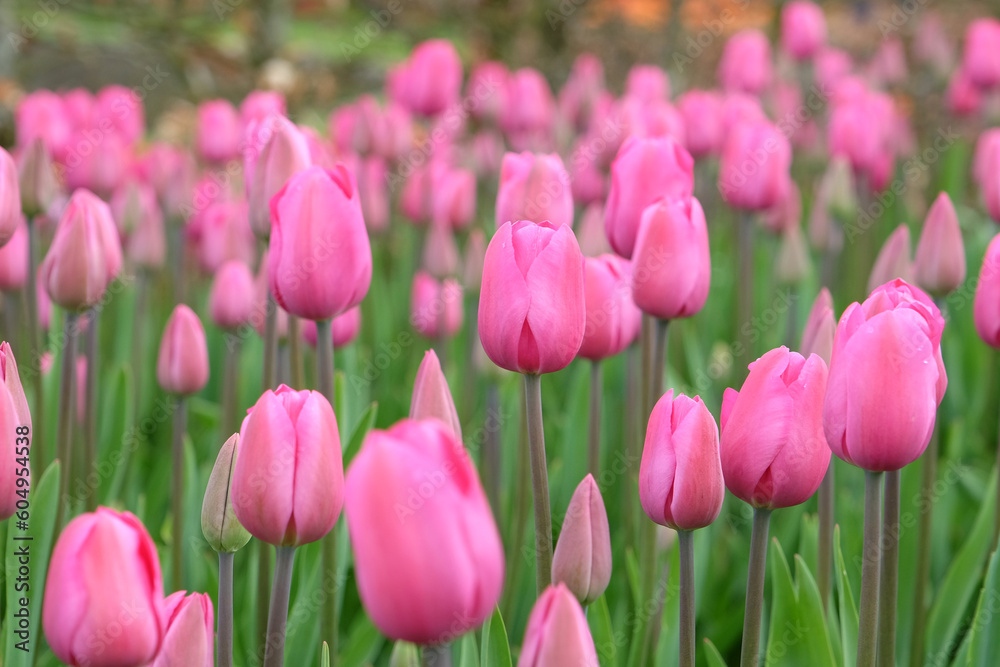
[
  {"x": 182, "y": 364},
  {"x": 557, "y": 634},
  {"x": 189, "y": 637},
  {"x": 939, "y": 264}
]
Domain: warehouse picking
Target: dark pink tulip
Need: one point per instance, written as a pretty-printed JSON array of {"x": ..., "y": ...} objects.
[
  {"x": 42, "y": 114},
  {"x": 644, "y": 171},
  {"x": 754, "y": 167},
  {"x": 986, "y": 307},
  {"x": 219, "y": 133},
  {"x": 320, "y": 261},
  {"x": 582, "y": 559},
  {"x": 487, "y": 86},
  {"x": 893, "y": 260},
  {"x": 123, "y": 110},
  {"x": 344, "y": 328},
  {"x": 887, "y": 378},
  {"x": 232, "y": 300},
  {"x": 701, "y": 111},
  {"x": 528, "y": 116},
  {"x": 613, "y": 320},
  {"x": 15, "y": 419},
  {"x": 939, "y": 264},
  {"x": 803, "y": 29},
  {"x": 532, "y": 306},
  {"x": 104, "y": 564},
  {"x": 817, "y": 338},
  {"x": 648, "y": 83},
  {"x": 453, "y": 197},
  {"x": 260, "y": 104},
  {"x": 225, "y": 234},
  {"x": 288, "y": 483},
  {"x": 431, "y": 397},
  {"x": 182, "y": 364},
  {"x": 433, "y": 79},
  {"x": 557, "y": 634},
  {"x": 10, "y": 197},
  {"x": 980, "y": 60},
  {"x": 14, "y": 260},
  {"x": 963, "y": 98},
  {"x": 189, "y": 634},
  {"x": 671, "y": 266},
  {"x": 436, "y": 308},
  {"x": 680, "y": 477},
  {"x": 746, "y": 62},
  {"x": 283, "y": 151},
  {"x": 413, "y": 490},
  {"x": 773, "y": 450},
  {"x": 534, "y": 187}
]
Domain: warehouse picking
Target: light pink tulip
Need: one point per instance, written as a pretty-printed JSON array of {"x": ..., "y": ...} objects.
[
  {"x": 613, "y": 320},
  {"x": 534, "y": 187},
  {"x": 590, "y": 231},
  {"x": 580, "y": 93},
  {"x": 15, "y": 418},
  {"x": 260, "y": 104},
  {"x": 14, "y": 260},
  {"x": 986, "y": 307},
  {"x": 371, "y": 175},
  {"x": 219, "y": 132},
  {"x": 893, "y": 260},
  {"x": 121, "y": 109},
  {"x": 43, "y": 115},
  {"x": 431, "y": 397},
  {"x": 189, "y": 637},
  {"x": 754, "y": 167},
  {"x": 582, "y": 559},
  {"x": 436, "y": 308},
  {"x": 440, "y": 253},
  {"x": 528, "y": 115},
  {"x": 648, "y": 83},
  {"x": 488, "y": 87},
  {"x": 37, "y": 178},
  {"x": 232, "y": 300},
  {"x": 701, "y": 111},
  {"x": 10, "y": 197},
  {"x": 557, "y": 634},
  {"x": 453, "y": 197},
  {"x": 939, "y": 264},
  {"x": 962, "y": 97},
  {"x": 225, "y": 235},
  {"x": 182, "y": 364},
  {"x": 282, "y": 151},
  {"x": 746, "y": 62},
  {"x": 433, "y": 78},
  {"x": 817, "y": 338}
]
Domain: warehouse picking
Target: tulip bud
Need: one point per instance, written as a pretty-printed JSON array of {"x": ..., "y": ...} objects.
[
  {"x": 259, "y": 104},
  {"x": 980, "y": 59},
  {"x": 43, "y": 115},
  {"x": 613, "y": 319},
  {"x": 37, "y": 178},
  {"x": 103, "y": 563},
  {"x": 123, "y": 109},
  {"x": 224, "y": 234},
  {"x": 986, "y": 310},
  {"x": 433, "y": 77},
  {"x": 648, "y": 83},
  {"x": 582, "y": 559},
  {"x": 528, "y": 113},
  {"x": 221, "y": 528},
  {"x": 282, "y": 151},
  {"x": 15, "y": 419},
  {"x": 10, "y": 197},
  {"x": 436, "y": 307},
  {"x": 753, "y": 169},
  {"x": 557, "y": 633},
  {"x": 803, "y": 29},
  {"x": 288, "y": 481},
  {"x": 680, "y": 477},
  {"x": 189, "y": 636},
  {"x": 182, "y": 364},
  {"x": 233, "y": 296},
  {"x": 219, "y": 132},
  {"x": 534, "y": 187},
  {"x": 701, "y": 111},
  {"x": 431, "y": 396},
  {"x": 147, "y": 245},
  {"x": 371, "y": 175},
  {"x": 745, "y": 65},
  {"x": 773, "y": 450},
  {"x": 817, "y": 338},
  {"x": 893, "y": 260},
  {"x": 14, "y": 260},
  {"x": 939, "y": 265}
]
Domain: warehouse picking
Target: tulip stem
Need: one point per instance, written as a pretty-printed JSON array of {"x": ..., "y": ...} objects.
[
  {"x": 744, "y": 308},
  {"x": 685, "y": 540},
  {"x": 230, "y": 421},
  {"x": 35, "y": 334},
  {"x": 224, "y": 656},
  {"x": 277, "y": 618},
  {"x": 750, "y": 653},
  {"x": 90, "y": 412},
  {"x": 659, "y": 363},
  {"x": 296, "y": 375},
  {"x": 324, "y": 372},
  {"x": 539, "y": 482},
  {"x": 928, "y": 463},
  {"x": 889, "y": 571},
  {"x": 436, "y": 655},
  {"x": 824, "y": 558},
  {"x": 632, "y": 442},
  {"x": 138, "y": 322},
  {"x": 490, "y": 460},
  {"x": 177, "y": 493},
  {"x": 594, "y": 433},
  {"x": 67, "y": 404},
  {"x": 270, "y": 343},
  {"x": 871, "y": 555}
]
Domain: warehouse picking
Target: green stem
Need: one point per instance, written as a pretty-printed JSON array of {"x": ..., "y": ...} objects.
[
  {"x": 263, "y": 589},
  {"x": 750, "y": 653},
  {"x": 324, "y": 370},
  {"x": 491, "y": 461},
  {"x": 871, "y": 555},
  {"x": 744, "y": 307},
  {"x": 295, "y": 354},
  {"x": 685, "y": 539},
  {"x": 35, "y": 335},
  {"x": 224, "y": 657},
  {"x": 177, "y": 494},
  {"x": 230, "y": 373},
  {"x": 436, "y": 655},
  {"x": 90, "y": 411},
  {"x": 270, "y": 374},
  {"x": 928, "y": 475},
  {"x": 67, "y": 404},
  {"x": 824, "y": 559},
  {"x": 889, "y": 572},
  {"x": 520, "y": 511},
  {"x": 539, "y": 482},
  {"x": 659, "y": 363},
  {"x": 594, "y": 432},
  {"x": 277, "y": 618},
  {"x": 633, "y": 444},
  {"x": 138, "y": 349}
]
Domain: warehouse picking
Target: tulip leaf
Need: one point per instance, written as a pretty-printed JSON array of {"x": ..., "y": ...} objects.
[
  {"x": 599, "y": 619},
  {"x": 712, "y": 655},
  {"x": 847, "y": 610},
  {"x": 43, "y": 502},
  {"x": 365, "y": 424},
  {"x": 467, "y": 651},
  {"x": 495, "y": 648},
  {"x": 959, "y": 585},
  {"x": 117, "y": 417},
  {"x": 325, "y": 659},
  {"x": 984, "y": 632},
  {"x": 798, "y": 633},
  {"x": 362, "y": 645}
]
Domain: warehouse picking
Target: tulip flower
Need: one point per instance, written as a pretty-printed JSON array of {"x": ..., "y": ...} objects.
[
  {"x": 14, "y": 259},
  {"x": 259, "y": 104},
  {"x": 431, "y": 396},
  {"x": 528, "y": 113},
  {"x": 147, "y": 244},
  {"x": 433, "y": 77},
  {"x": 320, "y": 262},
  {"x": 986, "y": 307},
  {"x": 123, "y": 109},
  {"x": 648, "y": 83},
  {"x": 557, "y": 634},
  {"x": 16, "y": 421},
  {"x": 224, "y": 234},
  {"x": 962, "y": 98},
  {"x": 939, "y": 265},
  {"x": 414, "y": 490},
  {"x": 36, "y": 178},
  {"x": 10, "y": 197},
  {"x": 436, "y": 307},
  {"x": 440, "y": 253},
  {"x": 582, "y": 559},
  {"x": 613, "y": 319},
  {"x": 583, "y": 87},
  {"x": 232, "y": 300},
  {"x": 42, "y": 114},
  {"x": 534, "y": 187},
  {"x": 188, "y": 638},
  {"x": 817, "y": 338},
  {"x": 488, "y": 85},
  {"x": 279, "y": 152},
  {"x": 803, "y": 29},
  {"x": 371, "y": 175},
  {"x": 344, "y": 328},
  {"x": 588, "y": 182},
  {"x": 103, "y": 563},
  {"x": 893, "y": 260},
  {"x": 980, "y": 59},
  {"x": 701, "y": 111},
  {"x": 182, "y": 365},
  {"x": 452, "y": 197},
  {"x": 753, "y": 169},
  {"x": 219, "y": 132},
  {"x": 746, "y": 62}
]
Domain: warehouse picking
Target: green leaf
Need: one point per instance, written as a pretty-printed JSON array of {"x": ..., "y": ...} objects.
[
  {"x": 712, "y": 655},
  {"x": 468, "y": 652},
  {"x": 116, "y": 418},
  {"x": 599, "y": 619},
  {"x": 847, "y": 610},
  {"x": 362, "y": 645},
  {"x": 495, "y": 649},
  {"x": 984, "y": 633},
  {"x": 365, "y": 424},
  {"x": 43, "y": 502}
]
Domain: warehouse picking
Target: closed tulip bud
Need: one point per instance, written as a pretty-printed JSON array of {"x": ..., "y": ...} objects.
[
  {"x": 219, "y": 524},
  {"x": 887, "y": 378},
  {"x": 320, "y": 261},
  {"x": 986, "y": 310},
  {"x": 792, "y": 263},
  {"x": 16, "y": 422},
  {"x": 980, "y": 59},
  {"x": 472, "y": 263},
  {"x": 557, "y": 634},
  {"x": 588, "y": 182},
  {"x": 746, "y": 62},
  {"x": 147, "y": 244},
  {"x": 103, "y": 564},
  {"x": 189, "y": 636},
  {"x": 43, "y": 115},
  {"x": 390, "y": 518},
  {"x": 288, "y": 482},
  {"x": 753, "y": 169},
  {"x": 701, "y": 111},
  {"x": 817, "y": 338},
  {"x": 282, "y": 151},
  {"x": 10, "y": 197},
  {"x": 529, "y": 109},
  {"x": 613, "y": 320},
  {"x": 648, "y": 83},
  {"x": 939, "y": 265},
  {"x": 773, "y": 450},
  {"x": 644, "y": 171},
  {"x": 259, "y": 104},
  {"x": 233, "y": 299},
  {"x": 680, "y": 477},
  {"x": 893, "y": 260},
  {"x": 803, "y": 29},
  {"x": 219, "y": 132},
  {"x": 123, "y": 109},
  {"x": 986, "y": 157},
  {"x": 671, "y": 267},
  {"x": 37, "y": 178},
  {"x": 582, "y": 559},
  {"x": 488, "y": 84},
  {"x": 344, "y": 328},
  {"x": 431, "y": 396},
  {"x": 534, "y": 187},
  {"x": 182, "y": 364},
  {"x": 14, "y": 260},
  {"x": 433, "y": 77},
  {"x": 436, "y": 308},
  {"x": 85, "y": 255},
  {"x": 532, "y": 306}
]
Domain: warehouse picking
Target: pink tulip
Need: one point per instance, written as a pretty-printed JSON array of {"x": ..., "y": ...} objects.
[
  {"x": 557, "y": 634},
  {"x": 415, "y": 198},
  {"x": 962, "y": 98},
  {"x": 413, "y": 490},
  {"x": 671, "y": 266},
  {"x": 147, "y": 246},
  {"x": 590, "y": 232},
  {"x": 532, "y": 307},
  {"x": 648, "y": 83},
  {"x": 320, "y": 261},
  {"x": 104, "y": 574},
  {"x": 773, "y": 450},
  {"x": 613, "y": 320},
  {"x": 453, "y": 197},
  {"x": 528, "y": 115},
  {"x": 219, "y": 133},
  {"x": 281, "y": 152},
  {"x": 372, "y": 192},
  {"x": 588, "y": 182},
  {"x": 986, "y": 307},
  {"x": 97, "y": 160},
  {"x": 739, "y": 109},
  {"x": 817, "y": 338},
  {"x": 582, "y": 559},
  {"x": 10, "y": 197},
  {"x": 15, "y": 418},
  {"x": 288, "y": 483},
  {"x": 803, "y": 29},
  {"x": 583, "y": 87},
  {"x": 42, "y": 114},
  {"x": 644, "y": 171},
  {"x": 746, "y": 62},
  {"x": 182, "y": 364},
  {"x": 753, "y": 169},
  {"x": 433, "y": 77},
  {"x": 431, "y": 397},
  {"x": 786, "y": 213},
  {"x": 225, "y": 235},
  {"x": 85, "y": 255},
  {"x": 436, "y": 309},
  {"x": 344, "y": 328},
  {"x": 986, "y": 162},
  {"x": 440, "y": 254},
  {"x": 394, "y": 139},
  {"x": 14, "y": 260},
  {"x": 939, "y": 265},
  {"x": 189, "y": 636},
  {"x": 472, "y": 264},
  {"x": 232, "y": 301},
  {"x": 259, "y": 104},
  {"x": 488, "y": 87},
  {"x": 123, "y": 110},
  {"x": 534, "y": 187},
  {"x": 701, "y": 111},
  {"x": 487, "y": 153},
  {"x": 887, "y": 378},
  {"x": 81, "y": 107},
  {"x": 980, "y": 59},
  {"x": 680, "y": 477},
  {"x": 860, "y": 129},
  {"x": 893, "y": 260}
]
